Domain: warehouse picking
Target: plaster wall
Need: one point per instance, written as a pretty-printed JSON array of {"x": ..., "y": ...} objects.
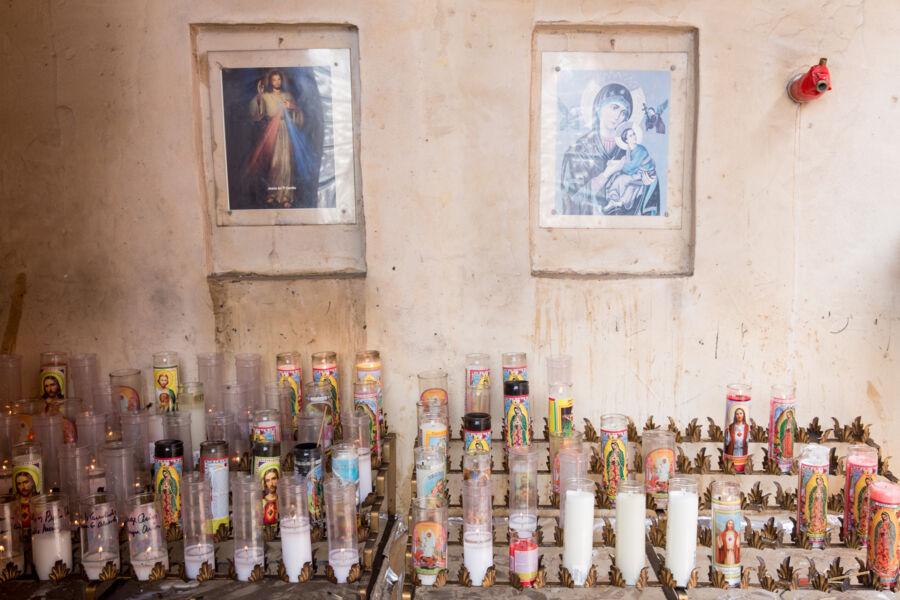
[{"x": 797, "y": 256}]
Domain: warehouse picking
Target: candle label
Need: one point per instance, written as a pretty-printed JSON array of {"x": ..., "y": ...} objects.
[
  {"x": 315, "y": 490},
  {"x": 345, "y": 468},
  {"x": 478, "y": 377},
  {"x": 434, "y": 436},
  {"x": 523, "y": 559},
  {"x": 292, "y": 377},
  {"x": 517, "y": 373},
  {"x": 812, "y": 503},
  {"x": 373, "y": 374},
  {"x": 782, "y": 431},
  {"x": 517, "y": 413},
  {"x": 215, "y": 471},
  {"x": 883, "y": 550},
  {"x": 613, "y": 446},
  {"x": 737, "y": 431},
  {"x": 659, "y": 465},
  {"x": 53, "y": 382},
  {"x": 429, "y": 547},
  {"x": 477, "y": 469},
  {"x": 142, "y": 521},
  {"x": 438, "y": 395},
  {"x": 430, "y": 481},
  {"x": 265, "y": 431},
  {"x": 268, "y": 472},
  {"x": 129, "y": 399},
  {"x": 165, "y": 382},
  {"x": 167, "y": 485},
  {"x": 51, "y": 520},
  {"x": 27, "y": 480},
  {"x": 330, "y": 374},
  {"x": 367, "y": 403},
  {"x": 561, "y": 416},
  {"x": 727, "y": 526},
  {"x": 477, "y": 441},
  {"x": 856, "y": 498}
]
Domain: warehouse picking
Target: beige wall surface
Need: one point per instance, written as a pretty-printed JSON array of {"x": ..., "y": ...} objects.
[{"x": 797, "y": 266}]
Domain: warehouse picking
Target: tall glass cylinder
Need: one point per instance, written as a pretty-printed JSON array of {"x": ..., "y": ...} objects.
[
  {"x": 51, "y": 533},
  {"x": 13, "y": 430},
  {"x": 478, "y": 371},
  {"x": 146, "y": 539},
  {"x": 357, "y": 429},
  {"x": 572, "y": 464},
  {"x": 214, "y": 466},
  {"x": 190, "y": 401},
  {"x": 516, "y": 413},
  {"x": 345, "y": 463},
  {"x": 560, "y": 404},
  {"x": 135, "y": 429},
  {"x": 478, "y": 399},
  {"x": 727, "y": 526},
  {"x": 54, "y": 376},
  {"x": 84, "y": 373},
  {"x": 325, "y": 369},
  {"x": 165, "y": 381},
  {"x": 578, "y": 528},
  {"x": 658, "y": 446},
  {"x": 883, "y": 549},
  {"x": 248, "y": 369},
  {"x": 121, "y": 476},
  {"x": 106, "y": 403},
  {"x": 681, "y": 528},
  {"x": 631, "y": 509},
  {"x": 366, "y": 403},
  {"x": 310, "y": 428},
  {"x": 99, "y": 533},
  {"x": 368, "y": 369},
  {"x": 613, "y": 452},
  {"x": 523, "y": 489},
  {"x": 433, "y": 424},
  {"x": 340, "y": 511},
  {"x": 277, "y": 397},
  {"x": 477, "y": 431},
  {"x": 782, "y": 425},
  {"x": 476, "y": 465},
  {"x": 91, "y": 432},
  {"x": 249, "y": 540},
  {"x": 308, "y": 462},
  {"x": 429, "y": 538},
  {"x": 289, "y": 374},
  {"x": 296, "y": 547},
  {"x": 431, "y": 472},
  {"x": 737, "y": 425},
  {"x": 478, "y": 551},
  {"x": 128, "y": 388},
  {"x": 812, "y": 493},
  {"x": 48, "y": 432},
  {"x": 236, "y": 403},
  {"x": 27, "y": 477},
  {"x": 267, "y": 469},
  {"x": 74, "y": 460},
  {"x": 211, "y": 374},
  {"x": 11, "y": 549},
  {"x": 195, "y": 517},
  {"x": 515, "y": 366},
  {"x": 317, "y": 400},
  {"x": 433, "y": 386},
  {"x": 10, "y": 378},
  {"x": 179, "y": 426},
  {"x": 859, "y": 473},
  {"x": 573, "y": 440}
]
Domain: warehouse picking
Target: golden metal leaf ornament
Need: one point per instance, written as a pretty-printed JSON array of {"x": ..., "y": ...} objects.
[
  {"x": 206, "y": 572},
  {"x": 257, "y": 574},
  {"x": 158, "y": 572},
  {"x": 490, "y": 577},
  {"x": 565, "y": 578}
]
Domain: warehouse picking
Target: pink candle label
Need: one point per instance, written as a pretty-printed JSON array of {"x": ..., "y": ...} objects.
[
  {"x": 856, "y": 498},
  {"x": 812, "y": 503},
  {"x": 265, "y": 431},
  {"x": 523, "y": 560},
  {"x": 292, "y": 377},
  {"x": 429, "y": 547},
  {"x": 613, "y": 447},
  {"x": 782, "y": 428},
  {"x": 883, "y": 551},
  {"x": 737, "y": 431}
]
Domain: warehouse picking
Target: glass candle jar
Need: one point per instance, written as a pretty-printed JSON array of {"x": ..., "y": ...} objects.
[
  {"x": 517, "y": 413},
  {"x": 368, "y": 370},
  {"x": 267, "y": 468},
  {"x": 121, "y": 476},
  {"x": 146, "y": 539},
  {"x": 432, "y": 424},
  {"x": 296, "y": 546},
  {"x": 431, "y": 472},
  {"x": 249, "y": 540},
  {"x": 366, "y": 403},
  {"x": 317, "y": 401},
  {"x": 357, "y": 429},
  {"x": 478, "y": 399},
  {"x": 560, "y": 404},
  {"x": 782, "y": 425},
  {"x": 477, "y": 431},
  {"x": 99, "y": 533},
  {"x": 289, "y": 374},
  {"x": 165, "y": 381},
  {"x": 433, "y": 386},
  {"x": 211, "y": 375},
  {"x": 91, "y": 431},
  {"x": 54, "y": 376},
  {"x": 308, "y": 463},
  {"x": 340, "y": 511},
  {"x": 572, "y": 464},
  {"x": 859, "y": 473},
  {"x": 11, "y": 550},
  {"x": 631, "y": 509},
  {"x": 48, "y": 432},
  {"x": 613, "y": 451},
  {"x": 168, "y": 470},
  {"x": 658, "y": 446},
  {"x": 248, "y": 369},
  {"x": 195, "y": 509},
  {"x": 681, "y": 528},
  {"x": 51, "y": 533},
  {"x": 523, "y": 556},
  {"x": 737, "y": 425},
  {"x": 523, "y": 489},
  {"x": 74, "y": 460},
  {"x": 179, "y": 426},
  {"x": 237, "y": 405},
  {"x": 478, "y": 372},
  {"x": 128, "y": 389},
  {"x": 476, "y": 465},
  {"x": 812, "y": 494},
  {"x": 135, "y": 429},
  {"x": 883, "y": 548},
  {"x": 477, "y": 499},
  {"x": 429, "y": 538},
  {"x": 574, "y": 440},
  {"x": 214, "y": 468},
  {"x": 325, "y": 369},
  {"x": 190, "y": 400},
  {"x": 27, "y": 477},
  {"x": 278, "y": 397},
  {"x": 10, "y": 378},
  {"x": 266, "y": 426},
  {"x": 82, "y": 377},
  {"x": 727, "y": 526},
  {"x": 578, "y": 528},
  {"x": 515, "y": 366}
]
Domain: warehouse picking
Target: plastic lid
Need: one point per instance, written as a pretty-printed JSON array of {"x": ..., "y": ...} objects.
[
  {"x": 168, "y": 449},
  {"x": 307, "y": 451},
  {"x": 477, "y": 421},
  {"x": 515, "y": 388}
]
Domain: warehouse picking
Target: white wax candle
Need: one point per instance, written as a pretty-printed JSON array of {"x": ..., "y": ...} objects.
[
  {"x": 523, "y": 522},
  {"x": 48, "y": 548},
  {"x": 478, "y": 554},
  {"x": 194, "y": 557},
  {"x": 296, "y": 548},
  {"x": 578, "y": 534},
  {"x": 341, "y": 560},
  {"x": 244, "y": 561},
  {"x": 94, "y": 563},
  {"x": 144, "y": 563},
  {"x": 681, "y": 535},
  {"x": 365, "y": 474},
  {"x": 630, "y": 521}
]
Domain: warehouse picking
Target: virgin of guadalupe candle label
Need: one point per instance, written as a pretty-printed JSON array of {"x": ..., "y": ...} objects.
[
  {"x": 737, "y": 431},
  {"x": 613, "y": 445},
  {"x": 812, "y": 502},
  {"x": 268, "y": 472},
  {"x": 53, "y": 382},
  {"x": 658, "y": 467},
  {"x": 727, "y": 525},
  {"x": 782, "y": 427},
  {"x": 367, "y": 402},
  {"x": 27, "y": 478},
  {"x": 856, "y": 495},
  {"x": 292, "y": 377},
  {"x": 167, "y": 485},
  {"x": 523, "y": 559},
  {"x": 215, "y": 471},
  {"x": 518, "y": 421},
  {"x": 515, "y": 373},
  {"x": 330, "y": 374},
  {"x": 429, "y": 548},
  {"x": 165, "y": 382},
  {"x": 883, "y": 551},
  {"x": 562, "y": 418},
  {"x": 477, "y": 441},
  {"x": 142, "y": 520}
]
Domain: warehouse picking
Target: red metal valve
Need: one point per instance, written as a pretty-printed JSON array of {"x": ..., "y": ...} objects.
[{"x": 810, "y": 85}]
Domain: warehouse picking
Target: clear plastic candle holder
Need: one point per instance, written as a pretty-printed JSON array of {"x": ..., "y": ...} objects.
[
  {"x": 782, "y": 425},
  {"x": 310, "y": 428},
  {"x": 433, "y": 385},
  {"x": 211, "y": 373},
  {"x": 658, "y": 447},
  {"x": 478, "y": 370},
  {"x": 578, "y": 527},
  {"x": 166, "y": 377},
  {"x": 559, "y": 369},
  {"x": 121, "y": 475},
  {"x": 195, "y": 517},
  {"x": 357, "y": 430},
  {"x": 681, "y": 528},
  {"x": 191, "y": 401},
  {"x": 82, "y": 377},
  {"x": 249, "y": 539},
  {"x": 560, "y": 403},
  {"x": 366, "y": 406},
  {"x": 12, "y": 431},
  {"x": 340, "y": 512},
  {"x": 859, "y": 473},
  {"x": 10, "y": 378},
  {"x": 429, "y": 538},
  {"x": 54, "y": 375},
  {"x": 289, "y": 375},
  {"x": 91, "y": 428},
  {"x": 214, "y": 466},
  {"x": 106, "y": 403},
  {"x": 178, "y": 426},
  {"x": 51, "y": 533},
  {"x": 574, "y": 440},
  {"x": 277, "y": 398},
  {"x": 146, "y": 536},
  {"x": 128, "y": 389},
  {"x": 296, "y": 547},
  {"x": 48, "y": 432},
  {"x": 317, "y": 401},
  {"x": 369, "y": 370},
  {"x": 523, "y": 489},
  {"x": 476, "y": 465},
  {"x": 248, "y": 372},
  {"x": 345, "y": 463},
  {"x": 325, "y": 369},
  {"x": 727, "y": 529},
  {"x": 99, "y": 533},
  {"x": 613, "y": 451},
  {"x": 737, "y": 425},
  {"x": 220, "y": 426},
  {"x": 68, "y": 410},
  {"x": 478, "y": 398},
  {"x": 515, "y": 366},
  {"x": 477, "y": 499},
  {"x": 812, "y": 493},
  {"x": 431, "y": 472},
  {"x": 11, "y": 548},
  {"x": 74, "y": 460},
  {"x": 265, "y": 426},
  {"x": 631, "y": 507},
  {"x": 136, "y": 430}
]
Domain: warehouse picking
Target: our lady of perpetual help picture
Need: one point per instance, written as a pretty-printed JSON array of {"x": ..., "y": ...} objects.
[{"x": 612, "y": 138}]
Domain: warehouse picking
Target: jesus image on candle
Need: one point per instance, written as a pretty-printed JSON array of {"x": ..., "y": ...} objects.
[
  {"x": 270, "y": 497},
  {"x": 728, "y": 545},
  {"x": 736, "y": 434}
]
